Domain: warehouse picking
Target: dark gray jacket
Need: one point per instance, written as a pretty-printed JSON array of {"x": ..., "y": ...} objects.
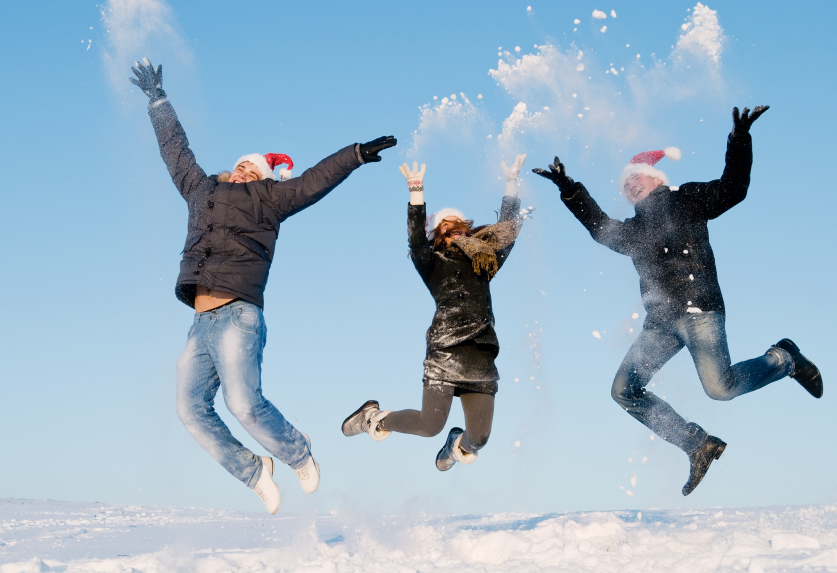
[
  {"x": 233, "y": 227},
  {"x": 668, "y": 239},
  {"x": 463, "y": 299}
]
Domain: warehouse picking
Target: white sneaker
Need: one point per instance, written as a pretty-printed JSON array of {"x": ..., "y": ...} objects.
[
  {"x": 309, "y": 474},
  {"x": 266, "y": 488}
]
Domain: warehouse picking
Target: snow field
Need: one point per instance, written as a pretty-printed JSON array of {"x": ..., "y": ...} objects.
[{"x": 38, "y": 536}]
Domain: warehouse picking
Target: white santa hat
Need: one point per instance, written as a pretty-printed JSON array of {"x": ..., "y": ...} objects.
[
  {"x": 435, "y": 219},
  {"x": 266, "y": 163},
  {"x": 644, "y": 163}
]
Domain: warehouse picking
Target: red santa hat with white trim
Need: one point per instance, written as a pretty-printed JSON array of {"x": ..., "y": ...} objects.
[
  {"x": 644, "y": 162},
  {"x": 266, "y": 163},
  {"x": 435, "y": 219}
]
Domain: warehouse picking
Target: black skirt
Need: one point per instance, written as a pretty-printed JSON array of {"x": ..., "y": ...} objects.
[{"x": 468, "y": 367}]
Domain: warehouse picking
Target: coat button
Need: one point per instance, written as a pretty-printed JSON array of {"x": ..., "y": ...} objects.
[
  {"x": 208, "y": 252},
  {"x": 209, "y": 228},
  {"x": 210, "y": 203},
  {"x": 458, "y": 273}
]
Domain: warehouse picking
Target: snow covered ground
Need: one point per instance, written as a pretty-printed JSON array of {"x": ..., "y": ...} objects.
[{"x": 80, "y": 537}]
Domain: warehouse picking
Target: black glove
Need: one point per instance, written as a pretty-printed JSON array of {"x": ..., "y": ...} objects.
[
  {"x": 741, "y": 124},
  {"x": 369, "y": 151},
  {"x": 558, "y": 175},
  {"x": 150, "y": 81}
]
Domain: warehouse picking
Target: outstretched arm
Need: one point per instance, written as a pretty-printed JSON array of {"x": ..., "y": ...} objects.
[
  {"x": 421, "y": 251},
  {"x": 174, "y": 147},
  {"x": 609, "y": 232},
  {"x": 712, "y": 199},
  {"x": 293, "y": 195}
]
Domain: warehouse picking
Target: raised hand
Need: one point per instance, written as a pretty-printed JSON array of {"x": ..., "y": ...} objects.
[
  {"x": 369, "y": 151},
  {"x": 558, "y": 175},
  {"x": 513, "y": 171},
  {"x": 741, "y": 123},
  {"x": 414, "y": 177},
  {"x": 149, "y": 80}
]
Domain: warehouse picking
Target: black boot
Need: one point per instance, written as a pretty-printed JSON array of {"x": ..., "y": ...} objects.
[
  {"x": 709, "y": 450},
  {"x": 804, "y": 370}
]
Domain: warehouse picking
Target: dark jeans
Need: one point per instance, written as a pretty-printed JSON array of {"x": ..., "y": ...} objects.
[{"x": 704, "y": 335}]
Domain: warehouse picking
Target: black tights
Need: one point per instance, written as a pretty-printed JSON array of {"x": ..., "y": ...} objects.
[{"x": 435, "y": 407}]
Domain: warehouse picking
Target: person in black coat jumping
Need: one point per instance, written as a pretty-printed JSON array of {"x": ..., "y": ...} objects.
[
  {"x": 234, "y": 221},
  {"x": 456, "y": 262},
  {"x": 668, "y": 242}
]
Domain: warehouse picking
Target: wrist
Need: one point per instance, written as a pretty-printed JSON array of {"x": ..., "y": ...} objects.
[{"x": 511, "y": 188}]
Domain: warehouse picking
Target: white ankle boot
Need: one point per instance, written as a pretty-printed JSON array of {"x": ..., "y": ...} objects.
[
  {"x": 266, "y": 488},
  {"x": 372, "y": 425},
  {"x": 461, "y": 455},
  {"x": 309, "y": 474}
]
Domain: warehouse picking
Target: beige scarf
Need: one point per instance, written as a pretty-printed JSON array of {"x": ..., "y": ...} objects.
[{"x": 482, "y": 246}]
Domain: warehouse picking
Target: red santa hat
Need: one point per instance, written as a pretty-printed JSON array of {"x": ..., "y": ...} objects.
[
  {"x": 644, "y": 163},
  {"x": 266, "y": 163},
  {"x": 435, "y": 219}
]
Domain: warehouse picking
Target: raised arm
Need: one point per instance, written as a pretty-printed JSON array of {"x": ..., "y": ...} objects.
[
  {"x": 174, "y": 147},
  {"x": 293, "y": 195},
  {"x": 421, "y": 250},
  {"x": 604, "y": 230},
  {"x": 510, "y": 207},
  {"x": 712, "y": 199}
]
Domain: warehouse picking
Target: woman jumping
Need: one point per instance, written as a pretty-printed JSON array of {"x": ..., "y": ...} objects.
[{"x": 456, "y": 261}]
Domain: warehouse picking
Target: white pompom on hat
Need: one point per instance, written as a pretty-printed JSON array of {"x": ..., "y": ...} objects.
[
  {"x": 435, "y": 219},
  {"x": 266, "y": 163},
  {"x": 644, "y": 163}
]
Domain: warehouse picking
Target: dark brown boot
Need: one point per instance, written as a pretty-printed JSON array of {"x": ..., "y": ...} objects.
[
  {"x": 804, "y": 371},
  {"x": 709, "y": 451}
]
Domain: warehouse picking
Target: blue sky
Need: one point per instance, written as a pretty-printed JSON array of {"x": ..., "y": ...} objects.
[{"x": 93, "y": 227}]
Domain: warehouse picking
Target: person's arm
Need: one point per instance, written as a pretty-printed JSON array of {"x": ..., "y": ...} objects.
[
  {"x": 604, "y": 230},
  {"x": 712, "y": 199},
  {"x": 510, "y": 207},
  {"x": 293, "y": 195},
  {"x": 174, "y": 147},
  {"x": 421, "y": 250}
]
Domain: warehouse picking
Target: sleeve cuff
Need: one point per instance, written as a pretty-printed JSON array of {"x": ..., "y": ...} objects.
[{"x": 358, "y": 155}]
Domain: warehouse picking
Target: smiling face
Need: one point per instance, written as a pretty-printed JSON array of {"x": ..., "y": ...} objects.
[
  {"x": 245, "y": 172},
  {"x": 638, "y": 186},
  {"x": 447, "y": 224}
]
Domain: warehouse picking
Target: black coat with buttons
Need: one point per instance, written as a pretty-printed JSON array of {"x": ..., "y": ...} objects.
[
  {"x": 668, "y": 239},
  {"x": 463, "y": 299},
  {"x": 233, "y": 227}
]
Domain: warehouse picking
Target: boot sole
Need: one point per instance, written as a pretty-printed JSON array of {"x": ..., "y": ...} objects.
[{"x": 355, "y": 413}]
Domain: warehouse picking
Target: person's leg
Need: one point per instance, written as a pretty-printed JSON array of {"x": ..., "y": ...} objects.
[
  {"x": 197, "y": 384},
  {"x": 236, "y": 347},
  {"x": 479, "y": 416},
  {"x": 435, "y": 407},
  {"x": 706, "y": 338},
  {"x": 652, "y": 349}
]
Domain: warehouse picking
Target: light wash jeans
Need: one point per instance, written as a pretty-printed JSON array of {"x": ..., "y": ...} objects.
[
  {"x": 224, "y": 348},
  {"x": 704, "y": 335}
]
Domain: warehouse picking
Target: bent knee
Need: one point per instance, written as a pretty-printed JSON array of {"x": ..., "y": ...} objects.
[
  {"x": 433, "y": 428},
  {"x": 720, "y": 394},
  {"x": 721, "y": 387},
  {"x": 478, "y": 441}
]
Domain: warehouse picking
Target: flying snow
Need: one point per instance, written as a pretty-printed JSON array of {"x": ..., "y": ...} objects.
[{"x": 599, "y": 15}]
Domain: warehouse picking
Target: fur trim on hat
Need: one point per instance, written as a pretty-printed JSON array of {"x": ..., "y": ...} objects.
[
  {"x": 260, "y": 163},
  {"x": 644, "y": 169},
  {"x": 435, "y": 219}
]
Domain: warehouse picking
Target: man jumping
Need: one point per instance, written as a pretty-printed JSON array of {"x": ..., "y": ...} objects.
[
  {"x": 668, "y": 242},
  {"x": 233, "y": 224}
]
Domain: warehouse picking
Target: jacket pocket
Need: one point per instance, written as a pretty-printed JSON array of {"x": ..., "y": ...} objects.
[{"x": 252, "y": 245}]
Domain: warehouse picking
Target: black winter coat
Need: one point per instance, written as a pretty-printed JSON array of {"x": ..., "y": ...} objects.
[
  {"x": 463, "y": 299},
  {"x": 668, "y": 239},
  {"x": 233, "y": 227}
]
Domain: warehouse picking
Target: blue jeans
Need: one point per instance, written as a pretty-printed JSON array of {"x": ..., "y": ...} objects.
[
  {"x": 705, "y": 337},
  {"x": 224, "y": 348}
]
